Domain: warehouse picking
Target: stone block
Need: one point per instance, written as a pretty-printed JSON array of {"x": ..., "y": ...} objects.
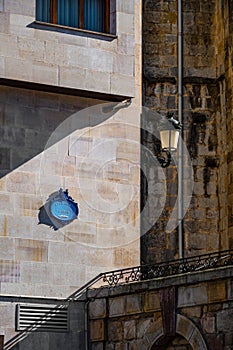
[
  {"x": 12, "y": 137},
  {"x": 9, "y": 272},
  {"x": 7, "y": 248},
  {"x": 128, "y": 151},
  {"x": 115, "y": 331},
  {"x": 79, "y": 57},
  {"x": 192, "y": 295},
  {"x": 74, "y": 40},
  {"x": 133, "y": 304},
  {"x": 125, "y": 44},
  {"x": 93, "y": 79},
  {"x": 2, "y": 66},
  {"x": 7, "y": 315},
  {"x": 100, "y": 60},
  {"x": 121, "y": 346},
  {"x": 216, "y": 291},
  {"x": 68, "y": 252},
  {"x": 69, "y": 274},
  {"x": 225, "y": 321},
  {"x": 197, "y": 241},
  {"x": 208, "y": 323},
  {"x": 97, "y": 330},
  {"x": 228, "y": 339},
  {"x": 192, "y": 312},
  {"x": 97, "y": 308},
  {"x": 142, "y": 326},
  {"x": 45, "y": 73},
  {"x": 31, "y": 250},
  {"x": 2, "y": 184},
  {"x": 18, "y": 69},
  {"x": 20, "y": 226},
  {"x": 117, "y": 306},
  {"x": 129, "y": 329},
  {"x": 97, "y": 346},
  {"x": 125, "y": 7},
  {"x": 34, "y": 272},
  {"x": 216, "y": 342},
  {"x": 6, "y": 204},
  {"x": 22, "y": 7},
  {"x": 123, "y": 64},
  {"x": 1, "y": 5},
  {"x": 152, "y": 301},
  {"x": 18, "y": 288},
  {"x": 121, "y": 84},
  {"x": 21, "y": 182},
  {"x": 125, "y": 23},
  {"x": 4, "y": 22},
  {"x": 72, "y": 77}
]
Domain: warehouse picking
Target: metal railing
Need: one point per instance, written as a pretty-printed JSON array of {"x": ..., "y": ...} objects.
[{"x": 153, "y": 271}]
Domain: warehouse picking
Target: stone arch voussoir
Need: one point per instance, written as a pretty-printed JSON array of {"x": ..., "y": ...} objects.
[{"x": 184, "y": 327}]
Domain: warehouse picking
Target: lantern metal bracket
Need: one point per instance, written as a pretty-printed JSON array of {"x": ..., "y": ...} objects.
[{"x": 165, "y": 161}]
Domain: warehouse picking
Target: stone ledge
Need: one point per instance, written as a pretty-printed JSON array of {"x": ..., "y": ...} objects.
[{"x": 163, "y": 282}]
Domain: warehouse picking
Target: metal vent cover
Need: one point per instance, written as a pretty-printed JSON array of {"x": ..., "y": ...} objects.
[{"x": 42, "y": 318}]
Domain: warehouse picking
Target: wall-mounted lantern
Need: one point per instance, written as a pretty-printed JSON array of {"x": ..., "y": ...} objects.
[{"x": 169, "y": 136}]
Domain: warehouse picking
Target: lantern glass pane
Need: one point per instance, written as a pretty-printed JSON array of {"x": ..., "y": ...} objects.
[{"x": 169, "y": 139}]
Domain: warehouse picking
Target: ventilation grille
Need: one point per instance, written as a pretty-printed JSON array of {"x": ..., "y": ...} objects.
[{"x": 41, "y": 318}]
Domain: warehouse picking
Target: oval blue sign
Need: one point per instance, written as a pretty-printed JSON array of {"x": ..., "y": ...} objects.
[{"x": 63, "y": 210}]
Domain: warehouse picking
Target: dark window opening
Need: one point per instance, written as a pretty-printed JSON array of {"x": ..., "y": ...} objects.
[{"x": 93, "y": 15}]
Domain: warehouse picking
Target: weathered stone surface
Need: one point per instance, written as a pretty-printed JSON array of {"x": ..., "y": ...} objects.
[
  {"x": 133, "y": 304},
  {"x": 117, "y": 306},
  {"x": 97, "y": 330},
  {"x": 115, "y": 331},
  {"x": 31, "y": 250},
  {"x": 192, "y": 295},
  {"x": 129, "y": 329},
  {"x": 97, "y": 308},
  {"x": 208, "y": 323},
  {"x": 152, "y": 301},
  {"x": 225, "y": 320},
  {"x": 217, "y": 292}
]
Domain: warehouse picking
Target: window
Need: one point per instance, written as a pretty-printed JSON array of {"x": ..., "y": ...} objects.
[{"x": 91, "y": 15}]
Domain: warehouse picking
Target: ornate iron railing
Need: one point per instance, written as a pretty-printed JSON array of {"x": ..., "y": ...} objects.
[
  {"x": 170, "y": 268},
  {"x": 153, "y": 271}
]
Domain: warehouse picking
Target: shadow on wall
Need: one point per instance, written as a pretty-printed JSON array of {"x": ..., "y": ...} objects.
[{"x": 28, "y": 118}]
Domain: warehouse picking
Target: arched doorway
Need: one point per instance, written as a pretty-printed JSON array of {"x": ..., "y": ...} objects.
[
  {"x": 187, "y": 337},
  {"x": 176, "y": 343}
]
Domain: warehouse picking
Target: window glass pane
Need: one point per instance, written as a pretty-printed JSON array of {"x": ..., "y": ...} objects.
[
  {"x": 93, "y": 15},
  {"x": 43, "y": 10},
  {"x": 68, "y": 13}
]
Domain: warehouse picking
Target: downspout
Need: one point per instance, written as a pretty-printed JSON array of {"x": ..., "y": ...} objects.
[{"x": 180, "y": 117}]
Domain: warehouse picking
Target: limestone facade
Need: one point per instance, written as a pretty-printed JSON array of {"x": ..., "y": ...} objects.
[{"x": 59, "y": 129}]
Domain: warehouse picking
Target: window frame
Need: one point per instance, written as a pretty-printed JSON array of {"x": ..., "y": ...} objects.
[{"x": 54, "y": 15}]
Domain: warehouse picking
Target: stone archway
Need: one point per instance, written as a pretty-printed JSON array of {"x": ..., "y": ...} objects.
[{"x": 184, "y": 327}]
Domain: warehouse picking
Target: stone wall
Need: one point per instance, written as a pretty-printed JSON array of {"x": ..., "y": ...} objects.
[
  {"x": 51, "y": 141},
  {"x": 206, "y": 114},
  {"x": 67, "y": 58},
  {"x": 139, "y": 316}
]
